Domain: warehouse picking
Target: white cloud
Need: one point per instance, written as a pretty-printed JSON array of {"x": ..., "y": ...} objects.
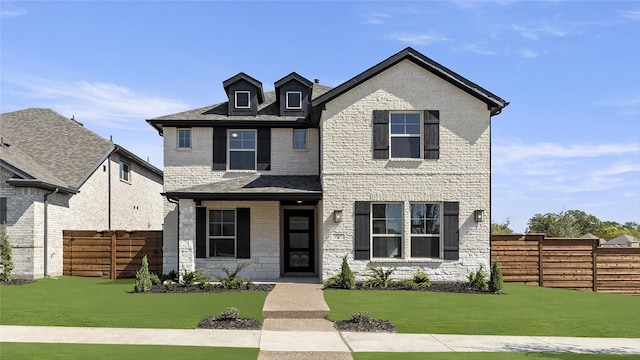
[
  {"x": 376, "y": 18},
  {"x": 417, "y": 39},
  {"x": 617, "y": 168},
  {"x": 104, "y": 104},
  {"x": 631, "y": 14},
  {"x": 478, "y": 49},
  {"x": 519, "y": 152},
  {"x": 12, "y": 12},
  {"x": 535, "y": 33},
  {"x": 619, "y": 101},
  {"x": 527, "y": 53}
]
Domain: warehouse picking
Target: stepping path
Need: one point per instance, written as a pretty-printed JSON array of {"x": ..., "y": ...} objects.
[{"x": 295, "y": 325}]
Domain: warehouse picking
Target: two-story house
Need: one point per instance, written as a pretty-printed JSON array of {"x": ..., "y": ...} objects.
[{"x": 390, "y": 168}]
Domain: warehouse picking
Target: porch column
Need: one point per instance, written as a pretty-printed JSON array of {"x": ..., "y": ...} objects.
[{"x": 187, "y": 237}]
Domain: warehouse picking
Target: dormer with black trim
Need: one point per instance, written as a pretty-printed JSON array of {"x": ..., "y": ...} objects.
[
  {"x": 293, "y": 93},
  {"x": 245, "y": 94}
]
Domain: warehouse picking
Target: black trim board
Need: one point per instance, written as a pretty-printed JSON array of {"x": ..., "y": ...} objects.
[{"x": 246, "y": 196}]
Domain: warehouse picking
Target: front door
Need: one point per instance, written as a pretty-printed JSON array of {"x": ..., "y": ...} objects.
[{"x": 298, "y": 241}]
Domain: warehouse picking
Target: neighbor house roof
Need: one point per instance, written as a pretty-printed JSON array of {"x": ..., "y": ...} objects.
[
  {"x": 45, "y": 149},
  {"x": 255, "y": 187},
  {"x": 494, "y": 102},
  {"x": 268, "y": 115},
  {"x": 622, "y": 240}
]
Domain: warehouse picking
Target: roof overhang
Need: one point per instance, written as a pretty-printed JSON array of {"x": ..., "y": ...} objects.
[
  {"x": 245, "y": 196},
  {"x": 41, "y": 185},
  {"x": 298, "y": 123}
]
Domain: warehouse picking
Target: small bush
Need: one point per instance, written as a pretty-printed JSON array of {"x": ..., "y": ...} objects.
[
  {"x": 478, "y": 280},
  {"x": 143, "y": 277},
  {"x": 154, "y": 279},
  {"x": 409, "y": 284},
  {"x": 379, "y": 277},
  {"x": 207, "y": 286},
  {"x": 345, "y": 279},
  {"x": 168, "y": 285},
  {"x": 360, "y": 317},
  {"x": 192, "y": 277},
  {"x": 421, "y": 279},
  {"x": 172, "y": 275},
  {"x": 6, "y": 255},
  {"x": 495, "y": 282},
  {"x": 229, "y": 313},
  {"x": 232, "y": 280}
]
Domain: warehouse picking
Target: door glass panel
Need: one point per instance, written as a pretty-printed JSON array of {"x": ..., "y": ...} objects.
[
  {"x": 299, "y": 259},
  {"x": 299, "y": 241},
  {"x": 298, "y": 223}
]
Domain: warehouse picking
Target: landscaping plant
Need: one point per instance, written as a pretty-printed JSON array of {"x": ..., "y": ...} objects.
[
  {"x": 379, "y": 277},
  {"x": 143, "y": 277},
  {"x": 192, "y": 277},
  {"x": 495, "y": 282},
  {"x": 478, "y": 280},
  {"x": 232, "y": 280},
  {"x": 230, "y": 313},
  {"x": 6, "y": 256},
  {"x": 345, "y": 279}
]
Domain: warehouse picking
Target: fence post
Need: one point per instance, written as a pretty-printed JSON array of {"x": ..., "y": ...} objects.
[
  {"x": 113, "y": 255},
  {"x": 540, "y": 261},
  {"x": 595, "y": 264}
]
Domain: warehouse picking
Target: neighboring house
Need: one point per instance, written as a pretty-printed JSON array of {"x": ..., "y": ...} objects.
[
  {"x": 391, "y": 167},
  {"x": 591, "y": 236},
  {"x": 622, "y": 241},
  {"x": 57, "y": 175}
]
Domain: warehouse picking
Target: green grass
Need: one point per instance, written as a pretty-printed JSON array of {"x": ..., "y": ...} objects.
[
  {"x": 488, "y": 356},
  {"x": 76, "y": 301},
  {"x": 523, "y": 310},
  {"x": 120, "y": 352}
]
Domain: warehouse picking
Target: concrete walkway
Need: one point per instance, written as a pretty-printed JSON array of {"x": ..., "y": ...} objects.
[{"x": 295, "y": 328}]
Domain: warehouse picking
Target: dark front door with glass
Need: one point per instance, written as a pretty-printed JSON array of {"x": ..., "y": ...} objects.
[{"x": 298, "y": 241}]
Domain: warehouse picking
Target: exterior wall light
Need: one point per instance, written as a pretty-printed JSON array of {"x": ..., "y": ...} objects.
[
  {"x": 337, "y": 216},
  {"x": 478, "y": 216}
]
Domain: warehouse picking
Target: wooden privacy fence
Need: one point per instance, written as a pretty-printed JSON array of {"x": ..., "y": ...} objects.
[
  {"x": 567, "y": 263},
  {"x": 112, "y": 254}
]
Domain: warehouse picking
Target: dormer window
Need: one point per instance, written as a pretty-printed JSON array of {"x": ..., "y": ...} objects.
[
  {"x": 242, "y": 99},
  {"x": 294, "y": 100}
]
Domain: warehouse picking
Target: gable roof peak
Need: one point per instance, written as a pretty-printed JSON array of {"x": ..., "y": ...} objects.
[
  {"x": 293, "y": 76},
  {"x": 243, "y": 76}
]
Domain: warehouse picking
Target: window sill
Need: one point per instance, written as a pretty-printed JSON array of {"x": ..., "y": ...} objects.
[
  {"x": 242, "y": 171},
  {"x": 406, "y": 160},
  {"x": 183, "y": 149},
  {"x": 301, "y": 150},
  {"x": 125, "y": 181}
]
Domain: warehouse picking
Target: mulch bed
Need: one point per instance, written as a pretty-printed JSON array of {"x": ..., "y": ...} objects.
[
  {"x": 16, "y": 282},
  {"x": 372, "y": 325},
  {"x": 450, "y": 287},
  {"x": 179, "y": 288},
  {"x": 212, "y": 322}
]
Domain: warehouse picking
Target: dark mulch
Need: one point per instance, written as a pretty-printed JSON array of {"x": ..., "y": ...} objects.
[
  {"x": 16, "y": 282},
  {"x": 179, "y": 288},
  {"x": 451, "y": 287},
  {"x": 372, "y": 325},
  {"x": 212, "y": 322}
]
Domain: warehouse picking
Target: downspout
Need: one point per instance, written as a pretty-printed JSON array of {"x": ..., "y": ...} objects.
[
  {"x": 177, "y": 231},
  {"x": 109, "y": 192},
  {"x": 46, "y": 230}
]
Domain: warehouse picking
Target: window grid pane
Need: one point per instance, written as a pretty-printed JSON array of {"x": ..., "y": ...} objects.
[
  {"x": 242, "y": 150},
  {"x": 184, "y": 138},
  {"x": 299, "y": 139},
  {"x": 405, "y": 135},
  {"x": 387, "y": 226},
  {"x": 294, "y": 100},
  {"x": 222, "y": 228}
]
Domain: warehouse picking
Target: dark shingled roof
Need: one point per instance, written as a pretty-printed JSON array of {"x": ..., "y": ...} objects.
[
  {"x": 47, "y": 149},
  {"x": 256, "y": 187}
]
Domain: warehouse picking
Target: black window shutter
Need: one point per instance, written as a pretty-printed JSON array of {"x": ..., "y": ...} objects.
[
  {"x": 451, "y": 231},
  {"x": 243, "y": 233},
  {"x": 264, "y": 149},
  {"x": 431, "y": 134},
  {"x": 362, "y": 230},
  {"x": 380, "y": 134},
  {"x": 3, "y": 211},
  {"x": 201, "y": 232},
  {"x": 219, "y": 148}
]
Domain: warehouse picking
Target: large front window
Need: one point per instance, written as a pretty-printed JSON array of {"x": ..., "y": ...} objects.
[
  {"x": 222, "y": 233},
  {"x": 242, "y": 149},
  {"x": 425, "y": 230},
  {"x": 405, "y": 135},
  {"x": 387, "y": 230}
]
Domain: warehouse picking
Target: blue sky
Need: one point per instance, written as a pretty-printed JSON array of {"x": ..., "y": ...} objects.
[{"x": 570, "y": 139}]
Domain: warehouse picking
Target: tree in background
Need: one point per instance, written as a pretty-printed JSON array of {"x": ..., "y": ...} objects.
[
  {"x": 501, "y": 229},
  {"x": 575, "y": 223},
  {"x": 560, "y": 224},
  {"x": 612, "y": 229}
]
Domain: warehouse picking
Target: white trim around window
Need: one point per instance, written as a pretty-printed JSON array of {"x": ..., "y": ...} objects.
[
  {"x": 405, "y": 135},
  {"x": 294, "y": 100},
  {"x": 248, "y": 99},
  {"x": 242, "y": 146},
  {"x": 184, "y": 138}
]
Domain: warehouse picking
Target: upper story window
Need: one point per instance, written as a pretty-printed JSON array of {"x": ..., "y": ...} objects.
[
  {"x": 243, "y": 99},
  {"x": 405, "y": 135},
  {"x": 184, "y": 138},
  {"x": 222, "y": 233},
  {"x": 300, "y": 139},
  {"x": 125, "y": 171},
  {"x": 425, "y": 230},
  {"x": 294, "y": 100},
  {"x": 242, "y": 149},
  {"x": 387, "y": 230}
]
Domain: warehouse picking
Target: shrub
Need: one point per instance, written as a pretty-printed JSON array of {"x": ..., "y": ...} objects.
[
  {"x": 168, "y": 285},
  {"x": 345, "y": 279},
  {"x": 421, "y": 279},
  {"x": 191, "y": 277},
  {"x": 408, "y": 284},
  {"x": 495, "y": 282},
  {"x": 6, "y": 255},
  {"x": 143, "y": 277},
  {"x": 229, "y": 313},
  {"x": 232, "y": 280},
  {"x": 379, "y": 277},
  {"x": 154, "y": 279},
  {"x": 478, "y": 280},
  {"x": 172, "y": 275},
  {"x": 360, "y": 317}
]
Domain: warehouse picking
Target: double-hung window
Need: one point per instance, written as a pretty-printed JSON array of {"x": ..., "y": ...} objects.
[
  {"x": 184, "y": 138},
  {"x": 243, "y": 99},
  {"x": 300, "y": 139},
  {"x": 294, "y": 100},
  {"x": 425, "y": 230},
  {"x": 222, "y": 233},
  {"x": 125, "y": 171},
  {"x": 405, "y": 135},
  {"x": 242, "y": 149},
  {"x": 387, "y": 230}
]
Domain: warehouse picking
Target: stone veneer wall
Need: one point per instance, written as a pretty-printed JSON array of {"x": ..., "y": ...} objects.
[{"x": 349, "y": 172}]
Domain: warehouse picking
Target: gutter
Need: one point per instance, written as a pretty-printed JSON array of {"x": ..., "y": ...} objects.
[{"x": 46, "y": 229}]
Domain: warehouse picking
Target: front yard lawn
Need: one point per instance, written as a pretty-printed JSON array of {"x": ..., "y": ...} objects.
[
  {"x": 522, "y": 310},
  {"x": 91, "y": 302},
  {"x": 120, "y": 352}
]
